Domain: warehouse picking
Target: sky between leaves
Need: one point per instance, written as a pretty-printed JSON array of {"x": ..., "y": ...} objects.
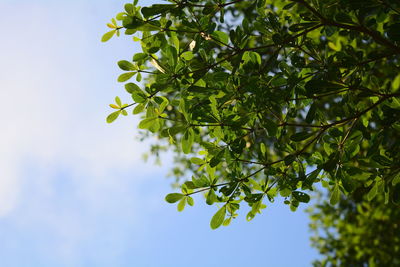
[{"x": 73, "y": 189}]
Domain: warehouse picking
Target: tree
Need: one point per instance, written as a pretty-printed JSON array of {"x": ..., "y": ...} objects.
[
  {"x": 264, "y": 99},
  {"x": 357, "y": 232}
]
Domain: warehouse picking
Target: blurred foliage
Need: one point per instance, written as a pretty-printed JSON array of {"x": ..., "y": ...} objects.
[
  {"x": 267, "y": 98},
  {"x": 357, "y": 232}
]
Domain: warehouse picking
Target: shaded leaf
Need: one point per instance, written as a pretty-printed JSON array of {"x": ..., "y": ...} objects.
[{"x": 335, "y": 195}]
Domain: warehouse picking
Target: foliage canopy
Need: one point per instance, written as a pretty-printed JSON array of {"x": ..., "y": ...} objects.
[{"x": 267, "y": 98}]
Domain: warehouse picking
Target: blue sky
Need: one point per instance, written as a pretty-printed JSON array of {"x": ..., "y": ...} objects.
[{"x": 74, "y": 190}]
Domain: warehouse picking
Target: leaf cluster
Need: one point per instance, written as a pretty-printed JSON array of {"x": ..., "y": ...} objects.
[{"x": 264, "y": 99}]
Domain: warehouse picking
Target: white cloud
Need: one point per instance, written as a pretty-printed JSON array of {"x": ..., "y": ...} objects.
[
  {"x": 51, "y": 112},
  {"x": 54, "y": 89}
]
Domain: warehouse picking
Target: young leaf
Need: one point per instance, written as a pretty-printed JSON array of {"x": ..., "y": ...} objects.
[
  {"x": 113, "y": 116},
  {"x": 190, "y": 200},
  {"x": 227, "y": 221},
  {"x": 182, "y": 204},
  {"x": 218, "y": 218},
  {"x": 125, "y": 76},
  {"x": 107, "y": 36},
  {"x": 118, "y": 101},
  {"x": 197, "y": 161}
]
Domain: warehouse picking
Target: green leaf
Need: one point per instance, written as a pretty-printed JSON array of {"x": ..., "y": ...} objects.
[
  {"x": 289, "y": 159},
  {"x": 190, "y": 200},
  {"x": 211, "y": 197},
  {"x": 396, "y": 179},
  {"x": 311, "y": 113},
  {"x": 131, "y": 87},
  {"x": 139, "y": 97},
  {"x": 393, "y": 32},
  {"x": 335, "y": 195},
  {"x": 229, "y": 189},
  {"x": 147, "y": 123},
  {"x": 217, "y": 158},
  {"x": 301, "y": 197},
  {"x": 343, "y": 17},
  {"x": 263, "y": 149},
  {"x": 278, "y": 81},
  {"x": 396, "y": 195},
  {"x": 289, "y": 6},
  {"x": 320, "y": 86},
  {"x": 272, "y": 127},
  {"x": 300, "y": 136},
  {"x": 188, "y": 55},
  {"x": 138, "y": 77},
  {"x": 200, "y": 182},
  {"x": 107, "y": 36},
  {"x": 125, "y": 76},
  {"x": 173, "y": 197},
  {"x": 187, "y": 141},
  {"x": 250, "y": 56},
  {"x": 310, "y": 179},
  {"x": 396, "y": 83},
  {"x": 197, "y": 161},
  {"x": 218, "y": 218},
  {"x": 164, "y": 103},
  {"x": 250, "y": 216},
  {"x": 301, "y": 26},
  {"x": 373, "y": 191},
  {"x": 221, "y": 37},
  {"x": 182, "y": 204},
  {"x": 139, "y": 57},
  {"x": 209, "y": 9},
  {"x": 129, "y": 8},
  {"x": 118, "y": 101},
  {"x": 294, "y": 204},
  {"x": 227, "y": 221},
  {"x": 156, "y": 9},
  {"x": 348, "y": 183},
  {"x": 384, "y": 161},
  {"x": 171, "y": 55},
  {"x": 113, "y": 116},
  {"x": 125, "y": 65}
]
